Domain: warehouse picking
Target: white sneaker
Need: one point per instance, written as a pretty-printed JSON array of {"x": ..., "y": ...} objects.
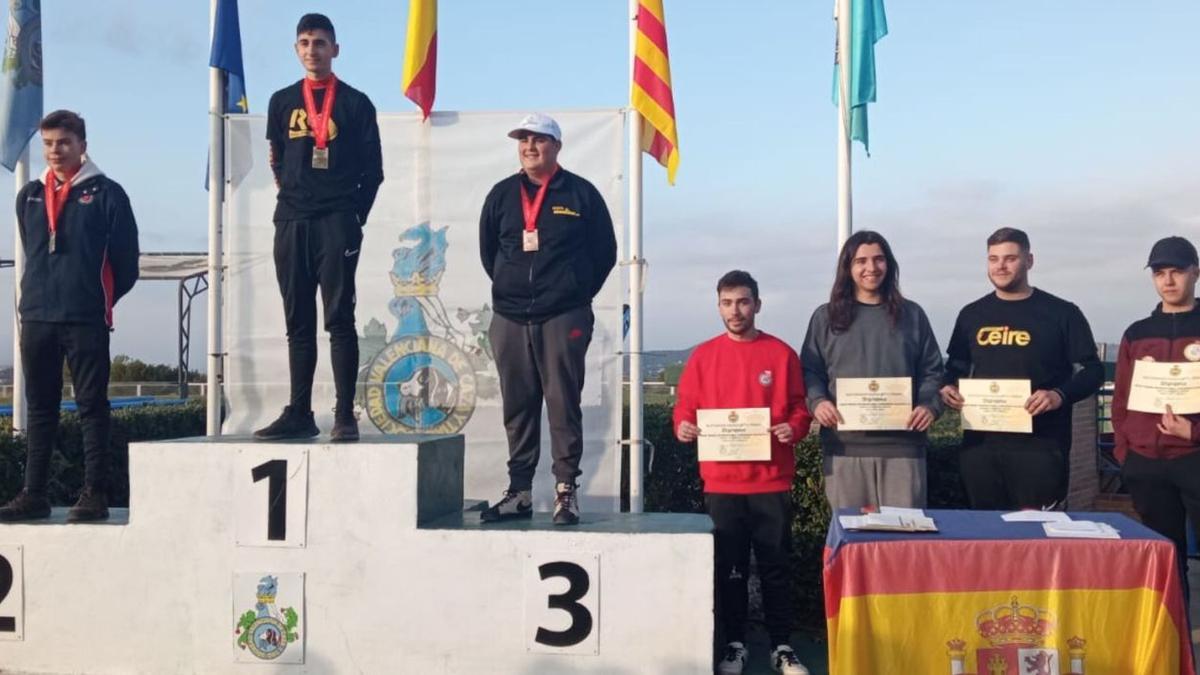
[
  {"x": 734, "y": 659},
  {"x": 566, "y": 504},
  {"x": 784, "y": 660}
]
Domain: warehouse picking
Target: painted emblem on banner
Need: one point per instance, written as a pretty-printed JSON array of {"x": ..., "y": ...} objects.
[
  {"x": 427, "y": 375},
  {"x": 1017, "y": 636},
  {"x": 1192, "y": 352},
  {"x": 267, "y": 630}
]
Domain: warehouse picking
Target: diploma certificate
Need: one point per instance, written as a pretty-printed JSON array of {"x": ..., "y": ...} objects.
[
  {"x": 1155, "y": 385},
  {"x": 874, "y": 403},
  {"x": 734, "y": 434},
  {"x": 995, "y": 405}
]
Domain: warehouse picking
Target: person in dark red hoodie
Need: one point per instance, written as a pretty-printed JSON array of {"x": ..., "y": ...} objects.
[
  {"x": 1160, "y": 452},
  {"x": 750, "y": 502}
]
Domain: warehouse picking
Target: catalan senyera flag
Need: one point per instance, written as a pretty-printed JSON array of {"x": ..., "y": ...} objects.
[
  {"x": 651, "y": 93},
  {"x": 420, "y": 54},
  {"x": 986, "y": 597}
]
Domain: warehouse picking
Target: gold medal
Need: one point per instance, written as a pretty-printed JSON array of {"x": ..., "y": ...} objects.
[
  {"x": 53, "y": 241},
  {"x": 320, "y": 158},
  {"x": 529, "y": 242}
]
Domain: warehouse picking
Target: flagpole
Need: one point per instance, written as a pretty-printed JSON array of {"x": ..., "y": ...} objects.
[
  {"x": 19, "y": 415},
  {"x": 845, "y": 205},
  {"x": 636, "y": 431},
  {"x": 216, "y": 199}
]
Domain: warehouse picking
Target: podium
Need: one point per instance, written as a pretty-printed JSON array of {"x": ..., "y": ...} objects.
[{"x": 308, "y": 557}]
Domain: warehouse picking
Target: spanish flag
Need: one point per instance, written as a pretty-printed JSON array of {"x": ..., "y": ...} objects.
[
  {"x": 420, "y": 54},
  {"x": 651, "y": 95},
  {"x": 986, "y": 597}
]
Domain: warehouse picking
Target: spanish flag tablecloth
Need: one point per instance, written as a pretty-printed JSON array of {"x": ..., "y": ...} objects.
[{"x": 986, "y": 597}]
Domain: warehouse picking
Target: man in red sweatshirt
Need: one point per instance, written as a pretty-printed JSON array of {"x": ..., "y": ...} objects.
[
  {"x": 750, "y": 502},
  {"x": 1160, "y": 452}
]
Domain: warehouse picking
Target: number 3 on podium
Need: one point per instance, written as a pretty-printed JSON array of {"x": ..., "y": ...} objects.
[
  {"x": 270, "y": 496},
  {"x": 562, "y": 603}
]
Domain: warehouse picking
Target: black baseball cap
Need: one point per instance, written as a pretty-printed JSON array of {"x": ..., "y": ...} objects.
[{"x": 1172, "y": 252}]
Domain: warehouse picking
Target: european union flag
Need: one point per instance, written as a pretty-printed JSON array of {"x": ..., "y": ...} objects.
[
  {"x": 21, "y": 69},
  {"x": 227, "y": 55},
  {"x": 868, "y": 25}
]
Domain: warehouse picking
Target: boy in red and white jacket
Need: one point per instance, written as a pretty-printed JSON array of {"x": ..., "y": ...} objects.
[
  {"x": 1160, "y": 452},
  {"x": 750, "y": 502}
]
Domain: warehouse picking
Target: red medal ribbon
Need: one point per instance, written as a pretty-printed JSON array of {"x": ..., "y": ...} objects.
[
  {"x": 319, "y": 122},
  {"x": 531, "y": 209},
  {"x": 55, "y": 203}
]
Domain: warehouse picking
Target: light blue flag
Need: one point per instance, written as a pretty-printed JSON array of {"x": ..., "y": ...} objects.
[
  {"x": 22, "y": 71},
  {"x": 868, "y": 25}
]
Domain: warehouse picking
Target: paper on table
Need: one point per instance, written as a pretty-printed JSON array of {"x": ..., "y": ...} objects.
[
  {"x": 1081, "y": 529},
  {"x": 902, "y": 511},
  {"x": 1031, "y": 516},
  {"x": 888, "y": 522}
]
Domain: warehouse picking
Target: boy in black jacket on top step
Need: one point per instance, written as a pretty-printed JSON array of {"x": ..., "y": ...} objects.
[{"x": 81, "y": 256}]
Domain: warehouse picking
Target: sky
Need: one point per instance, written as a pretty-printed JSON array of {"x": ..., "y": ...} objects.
[{"x": 1071, "y": 119}]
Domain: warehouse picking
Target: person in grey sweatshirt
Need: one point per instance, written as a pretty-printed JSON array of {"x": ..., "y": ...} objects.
[{"x": 868, "y": 329}]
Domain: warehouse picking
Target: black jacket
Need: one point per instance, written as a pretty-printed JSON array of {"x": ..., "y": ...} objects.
[
  {"x": 95, "y": 260},
  {"x": 355, "y": 160},
  {"x": 576, "y": 247}
]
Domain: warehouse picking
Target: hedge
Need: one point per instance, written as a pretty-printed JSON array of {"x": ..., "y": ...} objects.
[{"x": 148, "y": 423}]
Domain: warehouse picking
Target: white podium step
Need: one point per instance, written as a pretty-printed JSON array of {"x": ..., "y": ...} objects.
[{"x": 238, "y": 556}]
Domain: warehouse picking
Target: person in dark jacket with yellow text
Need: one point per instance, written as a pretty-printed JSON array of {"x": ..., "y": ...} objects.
[
  {"x": 81, "y": 256},
  {"x": 546, "y": 241}
]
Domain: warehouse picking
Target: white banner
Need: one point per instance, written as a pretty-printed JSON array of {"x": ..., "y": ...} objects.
[{"x": 424, "y": 301}]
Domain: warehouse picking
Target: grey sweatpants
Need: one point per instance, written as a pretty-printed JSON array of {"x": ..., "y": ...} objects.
[
  {"x": 536, "y": 362},
  {"x": 854, "y": 482}
]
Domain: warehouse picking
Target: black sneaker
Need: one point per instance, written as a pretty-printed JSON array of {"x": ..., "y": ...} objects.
[
  {"x": 566, "y": 504},
  {"x": 514, "y": 504},
  {"x": 92, "y": 505},
  {"x": 345, "y": 428},
  {"x": 292, "y": 423},
  {"x": 25, "y": 506}
]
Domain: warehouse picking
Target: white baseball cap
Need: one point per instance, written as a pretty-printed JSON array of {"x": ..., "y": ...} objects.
[{"x": 537, "y": 123}]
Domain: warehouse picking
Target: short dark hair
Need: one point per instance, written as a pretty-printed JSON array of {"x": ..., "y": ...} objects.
[
  {"x": 316, "y": 22},
  {"x": 65, "y": 120},
  {"x": 738, "y": 279},
  {"x": 1010, "y": 235}
]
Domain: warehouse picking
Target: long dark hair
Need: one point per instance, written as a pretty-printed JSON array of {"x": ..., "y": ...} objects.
[{"x": 841, "y": 299}]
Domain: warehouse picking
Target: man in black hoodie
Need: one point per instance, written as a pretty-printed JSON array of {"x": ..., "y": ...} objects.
[
  {"x": 546, "y": 241},
  {"x": 81, "y": 256},
  {"x": 326, "y": 157}
]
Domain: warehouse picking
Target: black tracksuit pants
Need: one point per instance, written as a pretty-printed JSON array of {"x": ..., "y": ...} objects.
[
  {"x": 1166, "y": 492},
  {"x": 762, "y": 522},
  {"x": 311, "y": 253},
  {"x": 1006, "y": 472},
  {"x": 542, "y": 361},
  {"x": 85, "y": 346}
]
